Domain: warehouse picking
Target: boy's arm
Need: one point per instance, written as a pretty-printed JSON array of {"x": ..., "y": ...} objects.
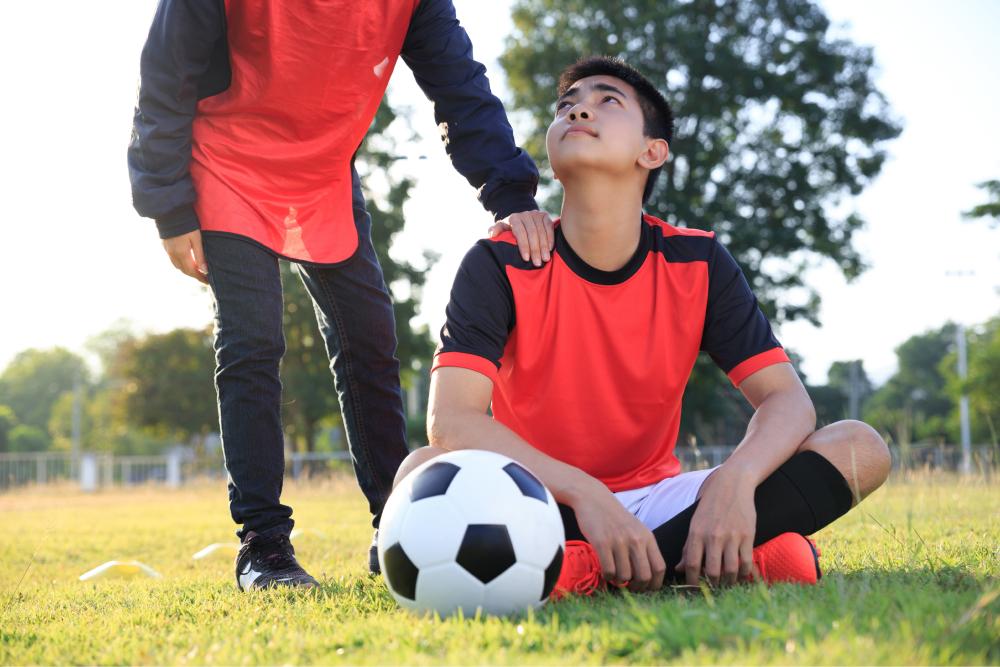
[
  {"x": 184, "y": 37},
  {"x": 457, "y": 419},
  {"x": 739, "y": 339},
  {"x": 720, "y": 539},
  {"x": 478, "y": 138}
]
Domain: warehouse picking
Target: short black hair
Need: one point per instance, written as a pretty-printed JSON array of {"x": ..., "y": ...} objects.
[{"x": 657, "y": 115}]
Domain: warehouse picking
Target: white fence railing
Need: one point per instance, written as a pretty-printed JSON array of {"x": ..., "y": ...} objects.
[{"x": 178, "y": 466}]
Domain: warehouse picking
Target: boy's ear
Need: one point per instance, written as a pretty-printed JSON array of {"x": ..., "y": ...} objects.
[{"x": 656, "y": 153}]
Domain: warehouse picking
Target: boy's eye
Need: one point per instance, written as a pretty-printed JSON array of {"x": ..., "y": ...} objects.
[
  {"x": 562, "y": 105},
  {"x": 609, "y": 97}
]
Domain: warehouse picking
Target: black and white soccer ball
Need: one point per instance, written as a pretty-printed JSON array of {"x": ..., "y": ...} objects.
[{"x": 471, "y": 530}]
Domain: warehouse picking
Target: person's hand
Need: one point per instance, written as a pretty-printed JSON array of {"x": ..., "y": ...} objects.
[
  {"x": 720, "y": 539},
  {"x": 187, "y": 256},
  {"x": 533, "y": 231},
  {"x": 626, "y": 548}
]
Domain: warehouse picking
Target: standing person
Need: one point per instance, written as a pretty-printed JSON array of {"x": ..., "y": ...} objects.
[{"x": 248, "y": 118}]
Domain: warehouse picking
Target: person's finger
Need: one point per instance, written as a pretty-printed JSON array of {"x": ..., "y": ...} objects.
[
  {"x": 550, "y": 233},
  {"x": 713, "y": 560},
  {"x": 607, "y": 558},
  {"x": 657, "y": 566},
  {"x": 642, "y": 572},
  {"x": 623, "y": 564},
  {"x": 730, "y": 562},
  {"x": 521, "y": 236},
  {"x": 498, "y": 228},
  {"x": 693, "y": 556},
  {"x": 199, "y": 255},
  {"x": 746, "y": 559},
  {"x": 534, "y": 241}
]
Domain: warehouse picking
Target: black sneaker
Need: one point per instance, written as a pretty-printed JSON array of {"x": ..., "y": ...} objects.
[
  {"x": 266, "y": 562},
  {"x": 373, "y": 566}
]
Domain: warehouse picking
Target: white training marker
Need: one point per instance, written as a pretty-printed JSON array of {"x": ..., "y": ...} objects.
[
  {"x": 120, "y": 569},
  {"x": 218, "y": 550}
]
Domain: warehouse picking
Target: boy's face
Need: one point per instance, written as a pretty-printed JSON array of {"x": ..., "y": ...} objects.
[{"x": 598, "y": 126}]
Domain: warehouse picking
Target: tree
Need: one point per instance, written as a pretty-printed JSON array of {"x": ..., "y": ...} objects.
[
  {"x": 8, "y": 420},
  {"x": 167, "y": 383},
  {"x": 982, "y": 386},
  {"x": 991, "y": 209},
  {"x": 35, "y": 379},
  {"x": 914, "y": 404},
  {"x": 27, "y": 438}
]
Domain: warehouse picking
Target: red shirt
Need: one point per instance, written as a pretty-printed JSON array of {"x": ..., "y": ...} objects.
[
  {"x": 590, "y": 366},
  {"x": 271, "y": 156}
]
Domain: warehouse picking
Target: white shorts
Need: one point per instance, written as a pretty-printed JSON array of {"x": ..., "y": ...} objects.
[{"x": 657, "y": 503}]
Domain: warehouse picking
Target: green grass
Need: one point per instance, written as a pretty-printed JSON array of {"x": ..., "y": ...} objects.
[{"x": 910, "y": 578}]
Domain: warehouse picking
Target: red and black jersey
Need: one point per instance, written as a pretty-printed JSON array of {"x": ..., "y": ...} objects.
[{"x": 589, "y": 366}]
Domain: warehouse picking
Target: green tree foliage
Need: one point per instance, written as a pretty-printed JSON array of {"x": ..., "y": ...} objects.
[
  {"x": 35, "y": 379},
  {"x": 914, "y": 405},
  {"x": 310, "y": 398},
  {"x": 778, "y": 125},
  {"x": 991, "y": 209},
  {"x": 982, "y": 385},
  {"x": 167, "y": 384},
  {"x": 8, "y": 420},
  {"x": 28, "y": 438}
]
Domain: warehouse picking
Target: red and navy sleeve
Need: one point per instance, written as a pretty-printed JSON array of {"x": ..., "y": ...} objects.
[
  {"x": 185, "y": 59},
  {"x": 737, "y": 334},
  {"x": 479, "y": 316},
  {"x": 474, "y": 126}
]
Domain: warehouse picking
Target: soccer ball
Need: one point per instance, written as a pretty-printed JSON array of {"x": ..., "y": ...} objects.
[{"x": 471, "y": 530}]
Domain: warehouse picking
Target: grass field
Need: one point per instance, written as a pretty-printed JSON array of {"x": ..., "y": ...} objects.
[{"x": 911, "y": 577}]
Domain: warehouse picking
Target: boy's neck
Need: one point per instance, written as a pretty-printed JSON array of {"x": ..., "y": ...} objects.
[{"x": 601, "y": 223}]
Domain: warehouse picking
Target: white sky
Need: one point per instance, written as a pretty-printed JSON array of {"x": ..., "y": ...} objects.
[{"x": 77, "y": 257}]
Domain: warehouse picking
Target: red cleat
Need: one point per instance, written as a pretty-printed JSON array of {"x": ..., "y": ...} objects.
[
  {"x": 581, "y": 572},
  {"x": 788, "y": 558}
]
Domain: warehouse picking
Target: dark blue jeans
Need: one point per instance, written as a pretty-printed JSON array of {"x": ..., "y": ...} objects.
[{"x": 355, "y": 317}]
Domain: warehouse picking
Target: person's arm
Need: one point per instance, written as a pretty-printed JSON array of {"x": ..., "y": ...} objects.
[
  {"x": 474, "y": 126},
  {"x": 183, "y": 38},
  {"x": 739, "y": 338},
  {"x": 720, "y": 540}
]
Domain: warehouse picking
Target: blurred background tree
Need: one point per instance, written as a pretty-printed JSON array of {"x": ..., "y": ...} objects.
[
  {"x": 779, "y": 125},
  {"x": 30, "y": 386},
  {"x": 990, "y": 209}
]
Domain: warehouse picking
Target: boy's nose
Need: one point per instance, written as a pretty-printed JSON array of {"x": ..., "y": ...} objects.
[{"x": 573, "y": 115}]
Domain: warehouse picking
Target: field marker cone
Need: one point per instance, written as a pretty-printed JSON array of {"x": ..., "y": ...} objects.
[
  {"x": 120, "y": 569},
  {"x": 218, "y": 551}
]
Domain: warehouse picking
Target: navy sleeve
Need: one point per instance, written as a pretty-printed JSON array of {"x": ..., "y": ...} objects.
[
  {"x": 480, "y": 313},
  {"x": 473, "y": 123},
  {"x": 186, "y": 37},
  {"x": 736, "y": 330}
]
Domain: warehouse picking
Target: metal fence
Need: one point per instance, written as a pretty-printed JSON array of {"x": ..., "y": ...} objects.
[{"x": 179, "y": 466}]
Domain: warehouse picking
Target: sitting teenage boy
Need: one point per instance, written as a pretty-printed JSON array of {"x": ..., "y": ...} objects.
[{"x": 584, "y": 361}]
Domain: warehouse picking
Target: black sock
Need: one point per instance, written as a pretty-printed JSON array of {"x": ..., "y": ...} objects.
[{"x": 804, "y": 494}]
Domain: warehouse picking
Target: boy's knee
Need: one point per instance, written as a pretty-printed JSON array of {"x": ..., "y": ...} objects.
[
  {"x": 858, "y": 452},
  {"x": 414, "y": 460}
]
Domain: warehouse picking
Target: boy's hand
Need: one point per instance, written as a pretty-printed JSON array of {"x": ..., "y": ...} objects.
[
  {"x": 533, "y": 231},
  {"x": 626, "y": 548},
  {"x": 186, "y": 255},
  {"x": 720, "y": 539}
]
